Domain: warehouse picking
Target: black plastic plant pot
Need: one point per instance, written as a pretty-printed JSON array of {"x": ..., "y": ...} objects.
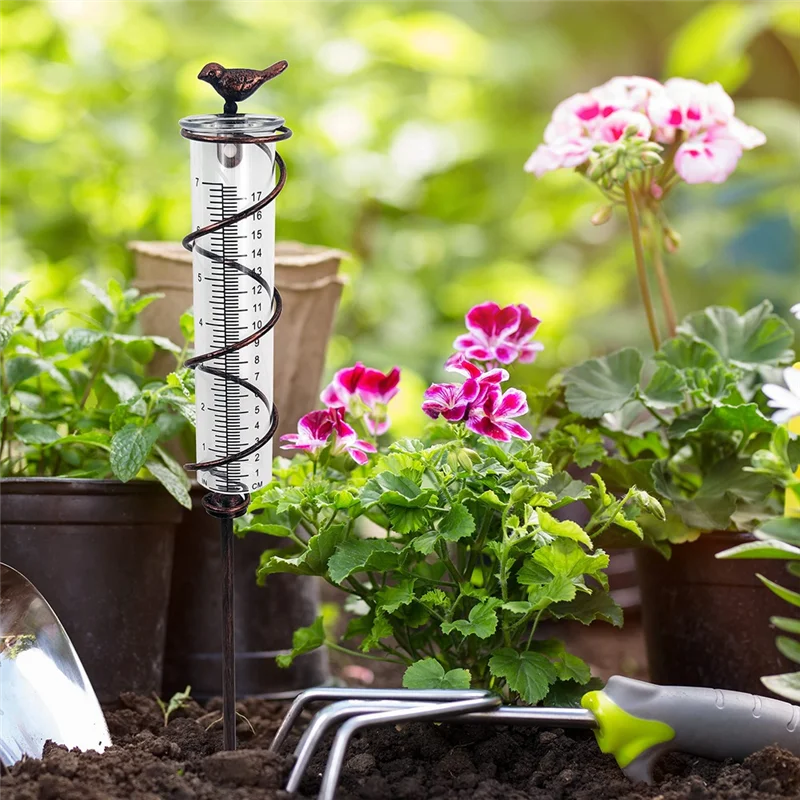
[
  {"x": 265, "y": 616},
  {"x": 101, "y": 554},
  {"x": 706, "y": 621}
]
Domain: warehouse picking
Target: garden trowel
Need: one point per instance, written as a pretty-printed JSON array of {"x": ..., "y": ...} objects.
[{"x": 44, "y": 691}]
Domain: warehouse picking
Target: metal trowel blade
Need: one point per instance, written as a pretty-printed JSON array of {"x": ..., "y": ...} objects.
[{"x": 44, "y": 691}]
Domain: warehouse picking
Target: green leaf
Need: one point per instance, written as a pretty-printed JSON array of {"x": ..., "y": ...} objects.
[
  {"x": 186, "y": 323},
  {"x": 565, "y": 559},
  {"x": 9, "y": 297},
  {"x": 77, "y": 339},
  {"x": 745, "y": 419},
  {"x": 381, "y": 629},
  {"x": 491, "y": 499},
  {"x": 22, "y": 368},
  {"x": 563, "y": 528},
  {"x": 568, "y": 694},
  {"x": 436, "y": 598},
  {"x": 790, "y": 648},
  {"x": 542, "y": 595},
  {"x": 358, "y": 555},
  {"x": 520, "y": 607},
  {"x": 762, "y": 549},
  {"x": 36, "y": 433},
  {"x": 568, "y": 666},
  {"x": 391, "y": 489},
  {"x": 787, "y": 529},
  {"x": 130, "y": 448},
  {"x": 786, "y": 685},
  {"x": 391, "y": 598},
  {"x": 98, "y": 294},
  {"x": 602, "y": 385},
  {"x": 429, "y": 674},
  {"x": 123, "y": 386},
  {"x": 313, "y": 560},
  {"x": 528, "y": 674},
  {"x": 566, "y": 489},
  {"x": 178, "y": 486},
  {"x": 788, "y": 624},
  {"x": 756, "y": 338},
  {"x": 586, "y": 608},
  {"x": 785, "y": 594},
  {"x": 455, "y": 525},
  {"x": 304, "y": 640},
  {"x": 5, "y": 407},
  {"x": 482, "y": 620},
  {"x": 685, "y": 353},
  {"x": 666, "y": 388}
]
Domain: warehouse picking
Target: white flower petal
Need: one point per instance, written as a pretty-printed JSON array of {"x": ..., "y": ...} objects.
[{"x": 792, "y": 378}]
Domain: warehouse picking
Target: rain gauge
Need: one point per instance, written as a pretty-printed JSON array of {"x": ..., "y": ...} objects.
[{"x": 236, "y": 174}]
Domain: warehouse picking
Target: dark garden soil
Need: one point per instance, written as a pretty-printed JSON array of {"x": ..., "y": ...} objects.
[{"x": 417, "y": 762}]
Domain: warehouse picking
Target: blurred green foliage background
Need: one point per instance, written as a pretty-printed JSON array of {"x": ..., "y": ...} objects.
[{"x": 412, "y": 121}]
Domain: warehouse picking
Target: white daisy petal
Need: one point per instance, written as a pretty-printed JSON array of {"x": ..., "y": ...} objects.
[
  {"x": 779, "y": 396},
  {"x": 784, "y": 416},
  {"x": 792, "y": 378}
]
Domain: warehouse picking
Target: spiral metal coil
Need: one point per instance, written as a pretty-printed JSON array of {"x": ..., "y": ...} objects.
[{"x": 215, "y": 503}]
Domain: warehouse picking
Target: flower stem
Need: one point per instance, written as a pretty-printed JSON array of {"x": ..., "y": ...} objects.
[
  {"x": 657, "y": 239},
  {"x": 638, "y": 251}
]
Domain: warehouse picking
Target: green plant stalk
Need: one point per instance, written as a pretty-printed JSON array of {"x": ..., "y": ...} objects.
[
  {"x": 657, "y": 256},
  {"x": 641, "y": 270}
]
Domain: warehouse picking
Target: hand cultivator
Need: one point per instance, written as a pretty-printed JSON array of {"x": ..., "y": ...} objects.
[{"x": 636, "y": 722}]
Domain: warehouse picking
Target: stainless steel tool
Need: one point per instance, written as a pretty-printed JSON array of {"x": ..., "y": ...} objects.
[
  {"x": 44, "y": 691},
  {"x": 635, "y": 721}
]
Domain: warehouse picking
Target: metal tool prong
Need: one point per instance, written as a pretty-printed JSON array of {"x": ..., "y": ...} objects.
[
  {"x": 432, "y": 711},
  {"x": 325, "y": 719},
  {"x": 525, "y": 715},
  {"x": 320, "y": 693}
]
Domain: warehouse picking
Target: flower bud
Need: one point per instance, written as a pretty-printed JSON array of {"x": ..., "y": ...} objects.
[
  {"x": 672, "y": 240},
  {"x": 656, "y": 191},
  {"x": 602, "y": 215}
]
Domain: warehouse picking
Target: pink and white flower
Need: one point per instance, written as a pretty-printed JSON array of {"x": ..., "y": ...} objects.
[
  {"x": 347, "y": 441},
  {"x": 477, "y": 381},
  {"x": 363, "y": 391},
  {"x": 499, "y": 334},
  {"x": 314, "y": 432},
  {"x": 614, "y": 125},
  {"x": 712, "y": 138},
  {"x": 449, "y": 400},
  {"x": 709, "y": 157},
  {"x": 494, "y": 416}
]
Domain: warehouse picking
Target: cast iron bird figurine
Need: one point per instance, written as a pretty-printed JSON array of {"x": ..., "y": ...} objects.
[{"x": 235, "y": 85}]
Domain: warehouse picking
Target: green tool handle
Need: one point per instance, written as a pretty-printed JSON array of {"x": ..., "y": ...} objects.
[{"x": 638, "y": 722}]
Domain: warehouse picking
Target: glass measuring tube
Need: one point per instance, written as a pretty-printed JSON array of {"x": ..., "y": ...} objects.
[{"x": 233, "y": 279}]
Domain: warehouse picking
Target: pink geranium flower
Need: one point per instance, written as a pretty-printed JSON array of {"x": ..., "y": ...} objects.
[
  {"x": 709, "y": 157},
  {"x": 702, "y": 115},
  {"x": 614, "y": 125},
  {"x": 449, "y": 400},
  {"x": 494, "y": 416},
  {"x": 314, "y": 432},
  {"x": 364, "y": 392},
  {"x": 499, "y": 334},
  {"x": 477, "y": 381}
]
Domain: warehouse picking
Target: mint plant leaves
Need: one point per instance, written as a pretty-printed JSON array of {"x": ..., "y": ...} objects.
[{"x": 76, "y": 402}]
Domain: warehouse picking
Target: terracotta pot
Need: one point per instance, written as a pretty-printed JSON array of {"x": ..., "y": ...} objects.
[
  {"x": 265, "y": 617},
  {"x": 706, "y": 620},
  {"x": 100, "y": 552},
  {"x": 306, "y": 277}
]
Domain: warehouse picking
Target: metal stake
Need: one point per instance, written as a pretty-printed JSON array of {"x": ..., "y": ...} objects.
[{"x": 228, "y": 641}]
